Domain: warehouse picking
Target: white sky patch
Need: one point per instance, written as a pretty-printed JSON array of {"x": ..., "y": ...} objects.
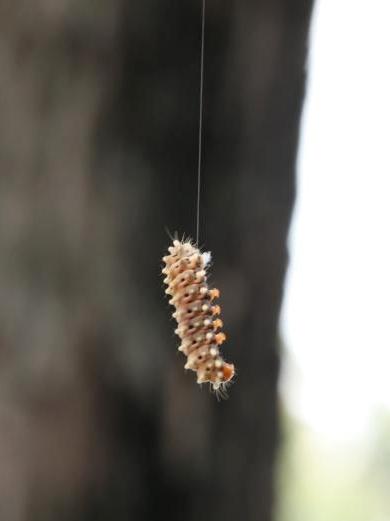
[{"x": 336, "y": 314}]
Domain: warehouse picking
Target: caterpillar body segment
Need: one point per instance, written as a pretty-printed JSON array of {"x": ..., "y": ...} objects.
[{"x": 197, "y": 316}]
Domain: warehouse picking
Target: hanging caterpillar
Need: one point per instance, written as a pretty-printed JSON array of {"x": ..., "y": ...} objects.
[{"x": 196, "y": 314}]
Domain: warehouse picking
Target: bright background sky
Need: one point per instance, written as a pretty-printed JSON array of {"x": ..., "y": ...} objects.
[{"x": 336, "y": 315}]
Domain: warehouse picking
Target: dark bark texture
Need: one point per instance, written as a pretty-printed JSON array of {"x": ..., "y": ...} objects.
[{"x": 98, "y": 151}]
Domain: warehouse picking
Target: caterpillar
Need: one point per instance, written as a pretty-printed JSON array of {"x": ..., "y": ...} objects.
[{"x": 197, "y": 316}]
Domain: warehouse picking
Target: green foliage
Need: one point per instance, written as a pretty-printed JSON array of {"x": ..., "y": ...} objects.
[{"x": 319, "y": 481}]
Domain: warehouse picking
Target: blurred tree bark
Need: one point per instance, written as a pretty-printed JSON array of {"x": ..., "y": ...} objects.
[{"x": 99, "y": 104}]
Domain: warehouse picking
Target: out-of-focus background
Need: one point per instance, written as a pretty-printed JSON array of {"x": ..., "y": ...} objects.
[
  {"x": 98, "y": 151},
  {"x": 335, "y": 322}
]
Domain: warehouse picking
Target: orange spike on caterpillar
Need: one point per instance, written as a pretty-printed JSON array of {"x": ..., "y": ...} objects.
[{"x": 198, "y": 328}]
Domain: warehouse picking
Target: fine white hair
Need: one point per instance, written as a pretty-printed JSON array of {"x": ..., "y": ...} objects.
[{"x": 206, "y": 256}]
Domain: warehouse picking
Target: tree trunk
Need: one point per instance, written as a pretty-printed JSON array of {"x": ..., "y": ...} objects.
[{"x": 98, "y": 151}]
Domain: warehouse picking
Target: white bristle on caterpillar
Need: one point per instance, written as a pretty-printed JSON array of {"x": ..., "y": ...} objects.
[{"x": 195, "y": 313}]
